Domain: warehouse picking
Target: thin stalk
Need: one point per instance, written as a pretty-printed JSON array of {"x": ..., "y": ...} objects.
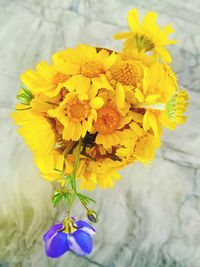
[
  {"x": 158, "y": 106},
  {"x": 76, "y": 166},
  {"x": 73, "y": 182},
  {"x": 70, "y": 204}
]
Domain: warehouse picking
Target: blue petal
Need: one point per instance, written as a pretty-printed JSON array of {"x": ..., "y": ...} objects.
[
  {"x": 52, "y": 231},
  {"x": 86, "y": 227},
  {"x": 80, "y": 242},
  {"x": 57, "y": 245}
]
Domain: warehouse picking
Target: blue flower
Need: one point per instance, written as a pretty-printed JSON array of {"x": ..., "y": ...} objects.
[{"x": 71, "y": 235}]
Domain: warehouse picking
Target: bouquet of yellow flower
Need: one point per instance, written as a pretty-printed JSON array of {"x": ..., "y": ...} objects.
[{"x": 93, "y": 111}]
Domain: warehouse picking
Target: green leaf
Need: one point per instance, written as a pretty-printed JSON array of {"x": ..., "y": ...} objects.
[
  {"x": 25, "y": 96},
  {"x": 57, "y": 198},
  {"x": 85, "y": 199}
]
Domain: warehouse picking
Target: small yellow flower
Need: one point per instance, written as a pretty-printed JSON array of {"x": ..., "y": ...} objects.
[
  {"x": 44, "y": 79},
  {"x": 50, "y": 165},
  {"x": 147, "y": 35},
  {"x": 139, "y": 145},
  {"x": 76, "y": 115},
  {"x": 111, "y": 119},
  {"x": 158, "y": 88},
  {"x": 86, "y": 65},
  {"x": 37, "y": 131},
  {"x": 176, "y": 106},
  {"x": 100, "y": 172}
]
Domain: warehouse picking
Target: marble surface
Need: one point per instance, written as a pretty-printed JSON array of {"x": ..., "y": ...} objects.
[{"x": 152, "y": 217}]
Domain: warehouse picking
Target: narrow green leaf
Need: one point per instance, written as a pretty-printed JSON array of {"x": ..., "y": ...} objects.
[{"x": 57, "y": 198}]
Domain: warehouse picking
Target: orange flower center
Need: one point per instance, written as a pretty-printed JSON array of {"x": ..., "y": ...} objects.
[
  {"x": 127, "y": 73},
  {"x": 108, "y": 120},
  {"x": 60, "y": 78},
  {"x": 91, "y": 69},
  {"x": 78, "y": 110}
]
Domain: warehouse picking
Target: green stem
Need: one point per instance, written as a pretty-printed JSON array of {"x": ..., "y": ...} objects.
[
  {"x": 84, "y": 205},
  {"x": 73, "y": 181},
  {"x": 70, "y": 204},
  {"x": 20, "y": 109},
  {"x": 76, "y": 165}
]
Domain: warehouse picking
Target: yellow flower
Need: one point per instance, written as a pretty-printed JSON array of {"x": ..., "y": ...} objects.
[
  {"x": 100, "y": 172},
  {"x": 36, "y": 130},
  {"x": 44, "y": 79},
  {"x": 147, "y": 35},
  {"x": 111, "y": 119},
  {"x": 86, "y": 65},
  {"x": 158, "y": 88},
  {"x": 127, "y": 71},
  {"x": 50, "y": 165},
  {"x": 76, "y": 115},
  {"x": 140, "y": 146},
  {"x": 176, "y": 106}
]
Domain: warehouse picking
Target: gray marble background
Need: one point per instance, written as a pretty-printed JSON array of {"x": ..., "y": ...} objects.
[{"x": 152, "y": 217}]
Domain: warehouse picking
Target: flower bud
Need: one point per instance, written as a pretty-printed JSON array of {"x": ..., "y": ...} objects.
[{"x": 92, "y": 216}]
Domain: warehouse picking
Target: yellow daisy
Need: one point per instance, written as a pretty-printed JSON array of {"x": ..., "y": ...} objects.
[
  {"x": 37, "y": 131},
  {"x": 147, "y": 35},
  {"x": 44, "y": 79},
  {"x": 37, "y": 102},
  {"x": 140, "y": 146},
  {"x": 86, "y": 65},
  {"x": 76, "y": 115},
  {"x": 50, "y": 165},
  {"x": 111, "y": 119},
  {"x": 161, "y": 99},
  {"x": 101, "y": 173}
]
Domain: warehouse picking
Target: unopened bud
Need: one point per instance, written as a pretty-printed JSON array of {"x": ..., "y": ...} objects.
[{"x": 92, "y": 216}]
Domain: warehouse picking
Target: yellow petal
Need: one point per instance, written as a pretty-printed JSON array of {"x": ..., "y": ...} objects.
[
  {"x": 120, "y": 96},
  {"x": 146, "y": 123},
  {"x": 122, "y": 35},
  {"x": 40, "y": 106},
  {"x": 133, "y": 20},
  {"x": 162, "y": 51},
  {"x": 137, "y": 117},
  {"x": 96, "y": 102},
  {"x": 136, "y": 128},
  {"x": 139, "y": 95},
  {"x": 151, "y": 98}
]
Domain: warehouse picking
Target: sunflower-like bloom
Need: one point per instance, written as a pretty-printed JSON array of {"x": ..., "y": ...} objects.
[
  {"x": 86, "y": 65},
  {"x": 36, "y": 130},
  {"x": 76, "y": 115},
  {"x": 44, "y": 79},
  {"x": 147, "y": 35},
  {"x": 162, "y": 101},
  {"x": 111, "y": 118}
]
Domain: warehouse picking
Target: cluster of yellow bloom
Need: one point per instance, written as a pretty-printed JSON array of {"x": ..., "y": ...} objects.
[{"x": 116, "y": 103}]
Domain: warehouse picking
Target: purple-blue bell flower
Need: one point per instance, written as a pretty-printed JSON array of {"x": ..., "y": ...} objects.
[{"x": 71, "y": 235}]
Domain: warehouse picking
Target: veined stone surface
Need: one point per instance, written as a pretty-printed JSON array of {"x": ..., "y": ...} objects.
[{"x": 152, "y": 216}]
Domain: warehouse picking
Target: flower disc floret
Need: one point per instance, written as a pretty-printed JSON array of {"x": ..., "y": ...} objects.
[
  {"x": 91, "y": 69},
  {"x": 127, "y": 72},
  {"x": 108, "y": 119}
]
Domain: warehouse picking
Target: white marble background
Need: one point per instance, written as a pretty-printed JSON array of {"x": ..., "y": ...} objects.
[{"x": 152, "y": 217}]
